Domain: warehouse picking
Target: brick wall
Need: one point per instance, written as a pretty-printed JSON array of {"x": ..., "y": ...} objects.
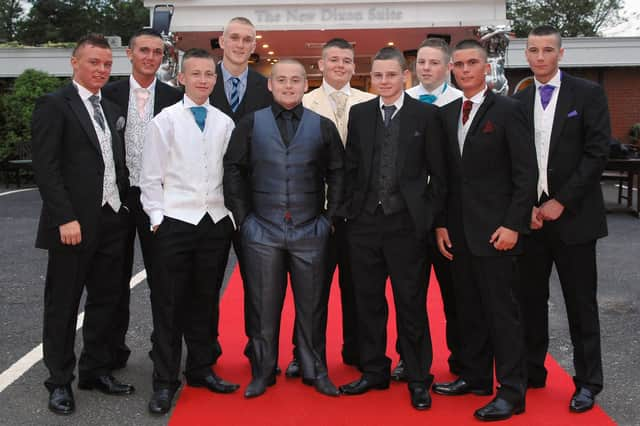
[{"x": 622, "y": 86}]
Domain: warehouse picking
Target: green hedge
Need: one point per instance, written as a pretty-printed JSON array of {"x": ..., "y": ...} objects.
[{"x": 16, "y": 107}]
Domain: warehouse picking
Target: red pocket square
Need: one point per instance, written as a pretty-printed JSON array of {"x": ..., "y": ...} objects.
[{"x": 488, "y": 127}]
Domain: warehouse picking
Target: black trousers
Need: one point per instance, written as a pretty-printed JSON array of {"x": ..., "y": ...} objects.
[
  {"x": 338, "y": 255},
  {"x": 270, "y": 252},
  {"x": 442, "y": 268},
  {"x": 189, "y": 269},
  {"x": 576, "y": 266},
  {"x": 137, "y": 222},
  {"x": 490, "y": 321},
  {"x": 383, "y": 246},
  {"x": 97, "y": 267}
]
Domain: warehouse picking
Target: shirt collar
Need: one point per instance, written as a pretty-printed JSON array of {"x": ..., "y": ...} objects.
[
  {"x": 226, "y": 75},
  {"x": 555, "y": 80},
  {"x": 478, "y": 97},
  {"x": 398, "y": 103},
  {"x": 188, "y": 103},
  {"x": 329, "y": 89},
  {"x": 133, "y": 84},
  {"x": 437, "y": 91},
  {"x": 297, "y": 111},
  {"x": 84, "y": 93}
]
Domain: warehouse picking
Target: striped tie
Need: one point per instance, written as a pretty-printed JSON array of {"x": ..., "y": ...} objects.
[{"x": 235, "y": 96}]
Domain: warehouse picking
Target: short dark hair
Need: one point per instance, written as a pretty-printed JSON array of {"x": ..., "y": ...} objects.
[
  {"x": 391, "y": 53},
  {"x": 340, "y": 43},
  {"x": 91, "y": 39},
  {"x": 290, "y": 61},
  {"x": 546, "y": 30},
  {"x": 144, "y": 32},
  {"x": 196, "y": 53},
  {"x": 471, "y": 44},
  {"x": 437, "y": 43}
]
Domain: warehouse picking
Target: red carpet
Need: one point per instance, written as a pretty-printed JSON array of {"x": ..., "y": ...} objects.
[{"x": 290, "y": 402}]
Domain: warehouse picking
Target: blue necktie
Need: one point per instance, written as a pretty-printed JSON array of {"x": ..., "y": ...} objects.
[
  {"x": 388, "y": 113},
  {"x": 428, "y": 99},
  {"x": 200, "y": 114},
  {"x": 235, "y": 96},
  {"x": 546, "y": 92}
]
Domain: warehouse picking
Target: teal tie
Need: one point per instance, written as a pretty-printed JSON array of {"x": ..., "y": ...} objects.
[
  {"x": 200, "y": 114},
  {"x": 428, "y": 98}
]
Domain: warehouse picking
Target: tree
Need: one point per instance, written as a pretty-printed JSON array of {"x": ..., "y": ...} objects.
[
  {"x": 68, "y": 20},
  {"x": 573, "y": 18},
  {"x": 10, "y": 15},
  {"x": 17, "y": 106}
]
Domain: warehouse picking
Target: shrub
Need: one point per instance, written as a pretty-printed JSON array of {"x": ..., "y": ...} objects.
[{"x": 17, "y": 106}]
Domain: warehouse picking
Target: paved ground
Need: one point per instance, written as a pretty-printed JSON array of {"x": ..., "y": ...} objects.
[{"x": 22, "y": 270}]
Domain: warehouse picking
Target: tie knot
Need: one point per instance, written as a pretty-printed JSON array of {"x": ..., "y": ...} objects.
[
  {"x": 389, "y": 109},
  {"x": 200, "y": 115},
  {"x": 546, "y": 91},
  {"x": 95, "y": 100},
  {"x": 428, "y": 98},
  {"x": 141, "y": 93},
  {"x": 235, "y": 81},
  {"x": 467, "y": 105}
]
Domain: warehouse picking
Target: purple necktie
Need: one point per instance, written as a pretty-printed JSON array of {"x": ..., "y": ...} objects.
[{"x": 546, "y": 91}]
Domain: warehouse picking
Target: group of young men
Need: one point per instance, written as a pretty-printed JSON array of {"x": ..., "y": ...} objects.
[{"x": 489, "y": 190}]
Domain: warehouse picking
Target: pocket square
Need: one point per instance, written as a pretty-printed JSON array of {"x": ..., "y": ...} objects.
[
  {"x": 488, "y": 127},
  {"x": 573, "y": 113},
  {"x": 120, "y": 122}
]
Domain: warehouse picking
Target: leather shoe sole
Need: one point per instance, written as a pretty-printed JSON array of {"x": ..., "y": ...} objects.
[{"x": 498, "y": 409}]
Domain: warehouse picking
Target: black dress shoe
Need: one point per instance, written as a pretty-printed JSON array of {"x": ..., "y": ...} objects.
[
  {"x": 498, "y": 409},
  {"x": 293, "y": 369},
  {"x": 361, "y": 386},
  {"x": 325, "y": 386},
  {"x": 459, "y": 387},
  {"x": 258, "y": 386},
  {"x": 582, "y": 400},
  {"x": 213, "y": 383},
  {"x": 399, "y": 373},
  {"x": 420, "y": 398},
  {"x": 107, "y": 385},
  {"x": 61, "y": 400},
  {"x": 277, "y": 371},
  {"x": 160, "y": 402}
]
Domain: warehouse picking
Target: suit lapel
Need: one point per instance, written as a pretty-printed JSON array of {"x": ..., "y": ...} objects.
[
  {"x": 368, "y": 131},
  {"x": 407, "y": 125},
  {"x": 251, "y": 93},
  {"x": 528, "y": 98},
  {"x": 482, "y": 110},
  {"x": 563, "y": 104},
  {"x": 159, "y": 100},
  {"x": 219, "y": 96},
  {"x": 452, "y": 117},
  {"x": 116, "y": 147},
  {"x": 122, "y": 96},
  {"x": 77, "y": 106}
]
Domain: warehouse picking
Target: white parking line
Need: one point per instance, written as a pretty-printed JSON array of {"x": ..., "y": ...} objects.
[
  {"x": 15, "y": 191},
  {"x": 21, "y": 366}
]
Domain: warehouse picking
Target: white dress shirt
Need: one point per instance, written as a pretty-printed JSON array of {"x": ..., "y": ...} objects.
[
  {"x": 445, "y": 93},
  {"x": 463, "y": 129},
  {"x": 543, "y": 124},
  {"x": 135, "y": 129},
  {"x": 398, "y": 103},
  {"x": 181, "y": 174},
  {"x": 110, "y": 193}
]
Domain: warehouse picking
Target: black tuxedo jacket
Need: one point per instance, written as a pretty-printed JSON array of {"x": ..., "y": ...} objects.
[
  {"x": 164, "y": 95},
  {"x": 68, "y": 164},
  {"x": 420, "y": 164},
  {"x": 578, "y": 153},
  {"x": 257, "y": 95},
  {"x": 493, "y": 182}
]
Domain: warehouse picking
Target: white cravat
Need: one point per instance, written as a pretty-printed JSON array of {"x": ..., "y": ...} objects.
[{"x": 142, "y": 96}]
